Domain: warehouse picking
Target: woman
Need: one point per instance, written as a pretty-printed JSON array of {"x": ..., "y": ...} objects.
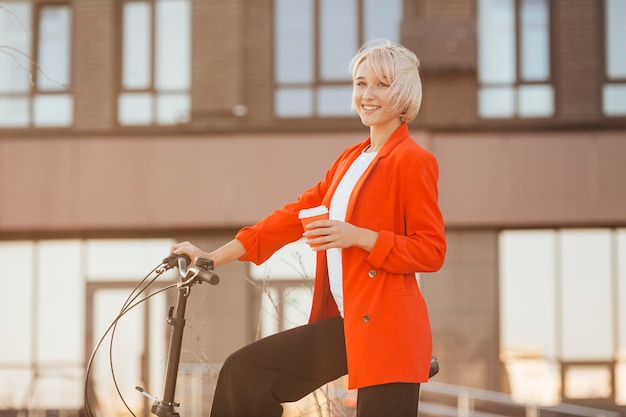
[{"x": 368, "y": 317}]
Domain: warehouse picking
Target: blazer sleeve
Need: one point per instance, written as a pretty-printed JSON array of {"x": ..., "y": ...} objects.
[
  {"x": 282, "y": 226},
  {"x": 419, "y": 245},
  {"x": 277, "y": 229}
]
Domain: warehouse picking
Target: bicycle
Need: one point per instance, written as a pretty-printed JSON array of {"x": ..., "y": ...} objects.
[{"x": 200, "y": 271}]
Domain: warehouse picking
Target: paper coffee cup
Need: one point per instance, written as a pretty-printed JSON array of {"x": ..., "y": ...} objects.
[{"x": 309, "y": 215}]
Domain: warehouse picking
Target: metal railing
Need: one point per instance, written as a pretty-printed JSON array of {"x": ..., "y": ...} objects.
[{"x": 446, "y": 400}]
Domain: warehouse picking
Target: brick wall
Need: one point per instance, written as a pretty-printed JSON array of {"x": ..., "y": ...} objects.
[
  {"x": 577, "y": 59},
  {"x": 94, "y": 64},
  {"x": 218, "y": 36}
]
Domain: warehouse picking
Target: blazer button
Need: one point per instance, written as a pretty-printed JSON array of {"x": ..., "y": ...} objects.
[
  {"x": 366, "y": 319},
  {"x": 372, "y": 273}
]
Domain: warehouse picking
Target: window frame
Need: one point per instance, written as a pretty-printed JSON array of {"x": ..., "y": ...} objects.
[
  {"x": 556, "y": 353},
  {"x": 37, "y": 73},
  {"x": 605, "y": 79},
  {"x": 151, "y": 89},
  {"x": 348, "y": 121},
  {"x": 518, "y": 81}
]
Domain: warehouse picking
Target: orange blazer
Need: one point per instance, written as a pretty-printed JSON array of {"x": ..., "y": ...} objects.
[{"x": 388, "y": 337}]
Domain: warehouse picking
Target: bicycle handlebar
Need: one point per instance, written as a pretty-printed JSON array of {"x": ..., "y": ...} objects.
[{"x": 198, "y": 272}]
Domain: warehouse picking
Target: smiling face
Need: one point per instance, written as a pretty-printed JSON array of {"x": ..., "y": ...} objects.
[
  {"x": 372, "y": 99},
  {"x": 398, "y": 69}
]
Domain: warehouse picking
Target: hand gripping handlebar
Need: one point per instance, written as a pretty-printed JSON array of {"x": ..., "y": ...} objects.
[{"x": 198, "y": 272}]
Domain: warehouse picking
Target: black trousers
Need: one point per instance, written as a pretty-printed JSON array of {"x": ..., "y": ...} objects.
[{"x": 285, "y": 367}]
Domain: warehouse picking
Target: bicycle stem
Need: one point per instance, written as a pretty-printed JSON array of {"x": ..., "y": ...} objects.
[
  {"x": 176, "y": 319},
  {"x": 202, "y": 271}
]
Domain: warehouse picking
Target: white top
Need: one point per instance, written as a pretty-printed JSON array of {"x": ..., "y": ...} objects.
[{"x": 338, "y": 208}]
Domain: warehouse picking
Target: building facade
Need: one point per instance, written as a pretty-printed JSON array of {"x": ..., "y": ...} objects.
[{"x": 127, "y": 125}]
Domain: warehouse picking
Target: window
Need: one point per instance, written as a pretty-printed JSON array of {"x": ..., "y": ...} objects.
[
  {"x": 514, "y": 59},
  {"x": 35, "y": 45},
  {"x": 313, "y": 44},
  {"x": 47, "y": 321},
  {"x": 614, "y": 91},
  {"x": 285, "y": 285},
  {"x": 156, "y": 63},
  {"x": 562, "y": 318}
]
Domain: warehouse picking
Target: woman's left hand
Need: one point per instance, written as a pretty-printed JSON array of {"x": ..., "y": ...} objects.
[{"x": 326, "y": 234}]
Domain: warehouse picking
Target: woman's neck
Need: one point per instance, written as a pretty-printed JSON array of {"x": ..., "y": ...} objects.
[{"x": 380, "y": 134}]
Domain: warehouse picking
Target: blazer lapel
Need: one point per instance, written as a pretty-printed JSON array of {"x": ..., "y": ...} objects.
[{"x": 341, "y": 171}]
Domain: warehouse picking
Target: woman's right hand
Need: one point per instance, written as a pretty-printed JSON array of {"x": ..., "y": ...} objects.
[
  {"x": 189, "y": 249},
  {"x": 231, "y": 251}
]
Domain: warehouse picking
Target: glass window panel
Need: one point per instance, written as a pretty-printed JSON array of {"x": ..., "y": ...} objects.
[
  {"x": 296, "y": 306},
  {"x": 294, "y": 102},
  {"x": 615, "y": 39},
  {"x": 496, "y": 41},
  {"x": 16, "y": 259},
  {"x": 586, "y": 294},
  {"x": 494, "y": 102},
  {"x": 15, "y": 33},
  {"x": 59, "y": 387},
  {"x": 269, "y": 311},
  {"x": 53, "y": 110},
  {"x": 535, "y": 40},
  {"x": 293, "y": 41},
  {"x": 127, "y": 259},
  {"x": 135, "y": 108},
  {"x": 614, "y": 99},
  {"x": 14, "y": 387},
  {"x": 338, "y": 38},
  {"x": 173, "y": 44},
  {"x": 587, "y": 382},
  {"x": 545, "y": 375},
  {"x": 335, "y": 101},
  {"x": 61, "y": 294},
  {"x": 54, "y": 48},
  {"x": 536, "y": 101},
  {"x": 527, "y": 270},
  {"x": 158, "y": 334},
  {"x": 127, "y": 351},
  {"x": 137, "y": 50},
  {"x": 382, "y": 19},
  {"x": 620, "y": 383},
  {"x": 14, "y": 112},
  {"x": 295, "y": 259},
  {"x": 173, "y": 108}
]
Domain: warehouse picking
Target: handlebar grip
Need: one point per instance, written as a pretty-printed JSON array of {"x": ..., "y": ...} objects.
[
  {"x": 172, "y": 260},
  {"x": 205, "y": 267},
  {"x": 210, "y": 277}
]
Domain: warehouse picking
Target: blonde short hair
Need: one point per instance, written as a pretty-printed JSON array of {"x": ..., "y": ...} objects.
[{"x": 399, "y": 68}]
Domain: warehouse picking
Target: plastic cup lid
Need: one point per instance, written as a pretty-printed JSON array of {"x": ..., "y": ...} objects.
[{"x": 313, "y": 211}]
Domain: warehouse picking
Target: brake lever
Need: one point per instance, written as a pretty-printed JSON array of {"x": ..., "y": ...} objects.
[
  {"x": 201, "y": 271},
  {"x": 206, "y": 266},
  {"x": 172, "y": 261}
]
